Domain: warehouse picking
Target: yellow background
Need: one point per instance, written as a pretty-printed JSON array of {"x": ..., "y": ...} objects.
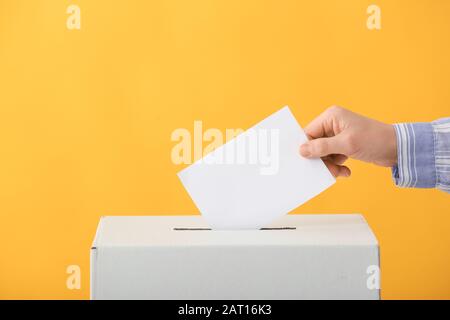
[{"x": 86, "y": 117}]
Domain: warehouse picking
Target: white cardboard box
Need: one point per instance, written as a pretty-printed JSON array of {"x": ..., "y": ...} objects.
[{"x": 177, "y": 257}]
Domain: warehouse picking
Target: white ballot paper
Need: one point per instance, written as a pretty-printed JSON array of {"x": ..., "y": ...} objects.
[{"x": 256, "y": 177}]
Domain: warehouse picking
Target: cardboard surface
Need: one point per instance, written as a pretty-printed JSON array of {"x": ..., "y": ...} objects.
[{"x": 310, "y": 257}]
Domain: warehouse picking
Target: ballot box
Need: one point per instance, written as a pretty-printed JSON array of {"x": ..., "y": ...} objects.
[{"x": 178, "y": 257}]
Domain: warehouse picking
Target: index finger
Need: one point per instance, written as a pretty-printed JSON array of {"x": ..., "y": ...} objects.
[{"x": 321, "y": 126}]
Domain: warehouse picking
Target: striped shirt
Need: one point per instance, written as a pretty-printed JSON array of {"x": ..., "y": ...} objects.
[{"x": 423, "y": 155}]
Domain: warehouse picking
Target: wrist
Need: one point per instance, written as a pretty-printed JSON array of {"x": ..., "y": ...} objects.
[{"x": 390, "y": 157}]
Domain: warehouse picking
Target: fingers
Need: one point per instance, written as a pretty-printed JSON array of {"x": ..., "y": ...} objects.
[
  {"x": 338, "y": 159},
  {"x": 322, "y": 126},
  {"x": 337, "y": 170},
  {"x": 322, "y": 147},
  {"x": 328, "y": 142},
  {"x": 317, "y": 127}
]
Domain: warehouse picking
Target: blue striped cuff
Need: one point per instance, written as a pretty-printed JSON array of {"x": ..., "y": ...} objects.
[{"x": 415, "y": 156}]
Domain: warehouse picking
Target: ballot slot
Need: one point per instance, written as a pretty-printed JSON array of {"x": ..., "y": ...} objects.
[{"x": 261, "y": 229}]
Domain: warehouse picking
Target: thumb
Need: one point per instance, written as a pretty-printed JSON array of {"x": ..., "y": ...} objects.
[{"x": 322, "y": 147}]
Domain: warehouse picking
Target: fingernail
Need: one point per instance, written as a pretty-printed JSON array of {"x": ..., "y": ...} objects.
[{"x": 305, "y": 150}]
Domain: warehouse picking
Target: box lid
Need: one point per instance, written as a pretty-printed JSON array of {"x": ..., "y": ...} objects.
[{"x": 304, "y": 229}]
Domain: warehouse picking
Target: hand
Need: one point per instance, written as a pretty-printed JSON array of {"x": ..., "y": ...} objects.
[{"x": 338, "y": 134}]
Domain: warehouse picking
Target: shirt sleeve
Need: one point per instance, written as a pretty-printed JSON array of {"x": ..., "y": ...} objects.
[{"x": 423, "y": 155}]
